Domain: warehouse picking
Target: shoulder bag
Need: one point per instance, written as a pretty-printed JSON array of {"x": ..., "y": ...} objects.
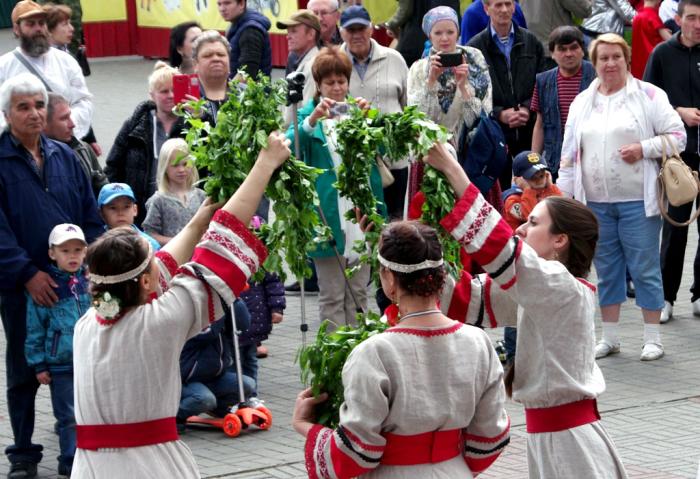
[{"x": 677, "y": 183}]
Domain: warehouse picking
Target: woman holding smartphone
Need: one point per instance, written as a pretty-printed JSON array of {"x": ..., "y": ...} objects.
[
  {"x": 339, "y": 299},
  {"x": 452, "y": 85}
]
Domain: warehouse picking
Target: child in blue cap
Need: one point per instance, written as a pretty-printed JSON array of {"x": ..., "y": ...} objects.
[{"x": 118, "y": 207}]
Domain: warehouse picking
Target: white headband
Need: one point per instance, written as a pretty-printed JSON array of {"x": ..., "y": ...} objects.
[
  {"x": 409, "y": 268},
  {"x": 120, "y": 278}
]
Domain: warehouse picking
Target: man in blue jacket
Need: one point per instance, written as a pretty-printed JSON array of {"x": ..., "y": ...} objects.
[
  {"x": 41, "y": 185},
  {"x": 248, "y": 36}
]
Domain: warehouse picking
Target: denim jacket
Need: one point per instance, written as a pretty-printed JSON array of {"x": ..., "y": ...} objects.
[
  {"x": 49, "y": 344},
  {"x": 548, "y": 93}
]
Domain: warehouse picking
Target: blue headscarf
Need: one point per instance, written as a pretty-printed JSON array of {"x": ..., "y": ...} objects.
[{"x": 437, "y": 14}]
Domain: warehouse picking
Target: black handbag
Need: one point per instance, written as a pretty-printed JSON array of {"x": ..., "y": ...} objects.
[{"x": 81, "y": 57}]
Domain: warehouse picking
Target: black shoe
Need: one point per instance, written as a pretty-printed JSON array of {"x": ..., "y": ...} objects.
[
  {"x": 64, "y": 472},
  {"x": 23, "y": 470},
  {"x": 55, "y": 428},
  {"x": 631, "y": 292},
  {"x": 295, "y": 288}
]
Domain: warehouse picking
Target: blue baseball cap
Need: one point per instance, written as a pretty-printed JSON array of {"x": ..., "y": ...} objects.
[
  {"x": 112, "y": 191},
  {"x": 355, "y": 15},
  {"x": 527, "y": 163}
]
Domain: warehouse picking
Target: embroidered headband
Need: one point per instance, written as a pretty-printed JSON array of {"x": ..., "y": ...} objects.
[
  {"x": 409, "y": 268},
  {"x": 120, "y": 278}
]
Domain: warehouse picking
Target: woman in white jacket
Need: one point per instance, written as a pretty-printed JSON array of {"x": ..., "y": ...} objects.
[{"x": 611, "y": 143}]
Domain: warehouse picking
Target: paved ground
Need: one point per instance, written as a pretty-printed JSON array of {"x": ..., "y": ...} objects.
[{"x": 651, "y": 410}]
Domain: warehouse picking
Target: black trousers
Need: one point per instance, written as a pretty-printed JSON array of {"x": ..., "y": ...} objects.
[
  {"x": 673, "y": 242},
  {"x": 22, "y": 384}
]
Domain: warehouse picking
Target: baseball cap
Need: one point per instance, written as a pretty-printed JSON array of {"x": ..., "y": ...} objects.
[
  {"x": 527, "y": 164},
  {"x": 65, "y": 232},
  {"x": 301, "y": 17},
  {"x": 355, "y": 15},
  {"x": 112, "y": 191},
  {"x": 26, "y": 9}
]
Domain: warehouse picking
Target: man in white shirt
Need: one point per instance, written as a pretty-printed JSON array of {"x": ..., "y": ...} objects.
[{"x": 57, "y": 69}]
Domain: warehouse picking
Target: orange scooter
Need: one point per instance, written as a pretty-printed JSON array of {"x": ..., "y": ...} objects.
[{"x": 246, "y": 413}]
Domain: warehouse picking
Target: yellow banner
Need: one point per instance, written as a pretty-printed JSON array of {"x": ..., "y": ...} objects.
[
  {"x": 381, "y": 10},
  {"x": 104, "y": 10},
  {"x": 168, "y": 13}
]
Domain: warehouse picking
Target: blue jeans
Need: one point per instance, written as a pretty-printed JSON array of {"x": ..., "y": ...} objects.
[
  {"x": 21, "y": 381},
  {"x": 216, "y": 396},
  {"x": 62, "y": 401},
  {"x": 628, "y": 239},
  {"x": 249, "y": 363}
]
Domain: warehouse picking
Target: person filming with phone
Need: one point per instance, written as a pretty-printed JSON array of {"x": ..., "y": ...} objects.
[{"x": 338, "y": 298}]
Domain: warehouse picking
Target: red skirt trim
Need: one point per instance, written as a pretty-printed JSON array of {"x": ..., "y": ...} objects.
[{"x": 135, "y": 434}]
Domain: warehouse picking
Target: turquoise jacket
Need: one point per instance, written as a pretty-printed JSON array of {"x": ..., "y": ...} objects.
[
  {"x": 49, "y": 344},
  {"x": 314, "y": 152}
]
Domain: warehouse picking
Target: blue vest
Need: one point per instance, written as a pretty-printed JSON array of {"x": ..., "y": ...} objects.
[
  {"x": 250, "y": 19},
  {"x": 548, "y": 93}
]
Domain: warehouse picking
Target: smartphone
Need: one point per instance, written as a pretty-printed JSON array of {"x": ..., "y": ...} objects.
[
  {"x": 339, "y": 109},
  {"x": 451, "y": 59},
  {"x": 185, "y": 85}
]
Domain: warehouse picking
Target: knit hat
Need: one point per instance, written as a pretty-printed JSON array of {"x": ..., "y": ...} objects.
[{"x": 437, "y": 14}]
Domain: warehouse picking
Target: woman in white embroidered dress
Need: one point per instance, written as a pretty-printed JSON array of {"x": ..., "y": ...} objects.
[
  {"x": 414, "y": 406},
  {"x": 541, "y": 270},
  {"x": 127, "y": 348}
]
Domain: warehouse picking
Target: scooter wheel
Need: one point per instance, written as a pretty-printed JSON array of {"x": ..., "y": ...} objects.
[
  {"x": 232, "y": 425},
  {"x": 264, "y": 422}
]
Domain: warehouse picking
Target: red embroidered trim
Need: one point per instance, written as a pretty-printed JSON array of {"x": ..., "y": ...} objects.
[
  {"x": 168, "y": 261},
  {"x": 222, "y": 267},
  {"x": 427, "y": 334},
  {"x": 365, "y": 446},
  {"x": 461, "y": 208},
  {"x": 108, "y": 322},
  {"x": 476, "y": 225},
  {"x": 472, "y": 437},
  {"x": 487, "y": 302},
  {"x": 461, "y": 297},
  {"x": 587, "y": 283},
  {"x": 231, "y": 246},
  {"x": 309, "y": 449},
  {"x": 234, "y": 224},
  {"x": 326, "y": 435}
]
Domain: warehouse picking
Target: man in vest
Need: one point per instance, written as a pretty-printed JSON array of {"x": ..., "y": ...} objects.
[
  {"x": 249, "y": 38},
  {"x": 555, "y": 89}
]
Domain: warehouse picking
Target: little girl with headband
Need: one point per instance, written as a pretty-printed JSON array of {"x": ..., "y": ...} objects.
[{"x": 127, "y": 346}]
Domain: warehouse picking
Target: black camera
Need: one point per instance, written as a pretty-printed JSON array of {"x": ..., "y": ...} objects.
[{"x": 295, "y": 87}]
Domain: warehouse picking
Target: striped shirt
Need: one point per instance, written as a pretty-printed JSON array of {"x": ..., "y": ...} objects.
[{"x": 568, "y": 88}]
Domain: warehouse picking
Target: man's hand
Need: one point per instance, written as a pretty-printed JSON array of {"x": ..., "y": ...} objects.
[
  {"x": 514, "y": 118},
  {"x": 690, "y": 116},
  {"x": 43, "y": 377},
  {"x": 40, "y": 288}
]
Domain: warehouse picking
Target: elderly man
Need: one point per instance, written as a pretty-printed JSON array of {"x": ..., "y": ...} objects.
[
  {"x": 328, "y": 13},
  {"x": 56, "y": 69},
  {"x": 379, "y": 75},
  {"x": 303, "y": 33},
  {"x": 59, "y": 127},
  {"x": 43, "y": 185}
]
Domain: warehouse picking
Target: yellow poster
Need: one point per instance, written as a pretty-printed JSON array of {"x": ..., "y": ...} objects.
[
  {"x": 381, "y": 10},
  {"x": 104, "y": 11},
  {"x": 168, "y": 13}
]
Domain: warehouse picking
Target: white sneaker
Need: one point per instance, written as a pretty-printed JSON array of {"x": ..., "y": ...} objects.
[
  {"x": 696, "y": 307},
  {"x": 604, "y": 348},
  {"x": 651, "y": 352},
  {"x": 667, "y": 312}
]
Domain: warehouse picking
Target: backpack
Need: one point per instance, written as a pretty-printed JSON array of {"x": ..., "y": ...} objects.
[{"x": 482, "y": 152}]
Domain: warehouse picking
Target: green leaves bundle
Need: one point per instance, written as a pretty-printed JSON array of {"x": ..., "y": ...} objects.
[
  {"x": 322, "y": 362},
  {"x": 229, "y": 150}
]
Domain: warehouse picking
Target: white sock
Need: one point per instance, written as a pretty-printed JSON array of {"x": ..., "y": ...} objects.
[
  {"x": 610, "y": 333},
  {"x": 652, "y": 333}
]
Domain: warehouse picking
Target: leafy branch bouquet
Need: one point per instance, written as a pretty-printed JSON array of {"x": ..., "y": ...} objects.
[{"x": 228, "y": 151}]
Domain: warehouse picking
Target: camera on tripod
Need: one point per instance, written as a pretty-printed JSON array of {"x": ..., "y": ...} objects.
[{"x": 295, "y": 87}]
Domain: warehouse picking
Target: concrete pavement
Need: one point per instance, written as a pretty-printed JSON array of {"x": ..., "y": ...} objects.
[{"x": 651, "y": 410}]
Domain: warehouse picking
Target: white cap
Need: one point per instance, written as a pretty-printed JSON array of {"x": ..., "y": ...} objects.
[{"x": 65, "y": 232}]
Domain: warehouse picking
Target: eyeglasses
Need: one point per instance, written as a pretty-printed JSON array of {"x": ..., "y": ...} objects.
[{"x": 325, "y": 14}]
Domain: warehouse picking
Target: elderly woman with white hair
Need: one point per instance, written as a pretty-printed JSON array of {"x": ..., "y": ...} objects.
[
  {"x": 43, "y": 185},
  {"x": 134, "y": 156}
]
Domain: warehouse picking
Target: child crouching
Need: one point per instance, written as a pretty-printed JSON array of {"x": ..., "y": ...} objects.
[{"x": 49, "y": 344}]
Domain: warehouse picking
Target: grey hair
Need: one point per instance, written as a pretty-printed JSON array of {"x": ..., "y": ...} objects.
[
  {"x": 54, "y": 100},
  {"x": 334, "y": 3},
  {"x": 209, "y": 36},
  {"x": 22, "y": 84}
]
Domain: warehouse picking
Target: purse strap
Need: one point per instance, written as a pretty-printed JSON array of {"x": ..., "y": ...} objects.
[
  {"x": 664, "y": 211},
  {"x": 32, "y": 70}
]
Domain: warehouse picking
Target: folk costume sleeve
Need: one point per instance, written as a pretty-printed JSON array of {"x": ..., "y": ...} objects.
[
  {"x": 489, "y": 431},
  {"x": 514, "y": 266},
  {"x": 225, "y": 258},
  {"x": 357, "y": 445}
]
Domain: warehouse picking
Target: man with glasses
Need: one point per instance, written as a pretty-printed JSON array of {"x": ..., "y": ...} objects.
[
  {"x": 328, "y": 13},
  {"x": 58, "y": 70}
]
